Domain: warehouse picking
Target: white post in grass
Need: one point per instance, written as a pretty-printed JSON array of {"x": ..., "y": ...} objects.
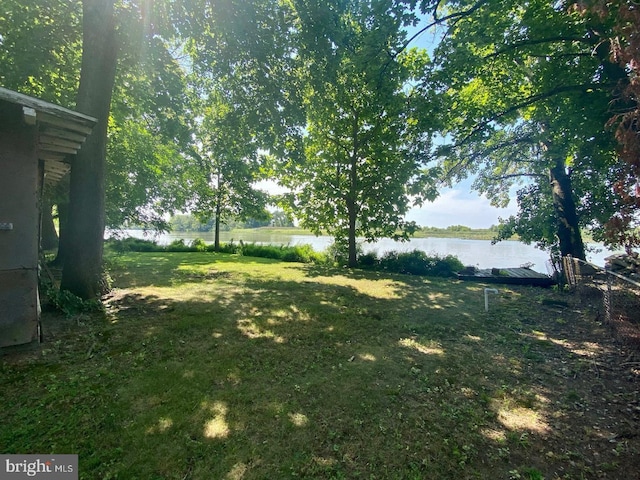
[{"x": 487, "y": 291}]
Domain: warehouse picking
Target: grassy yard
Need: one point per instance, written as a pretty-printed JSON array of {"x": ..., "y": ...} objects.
[{"x": 213, "y": 366}]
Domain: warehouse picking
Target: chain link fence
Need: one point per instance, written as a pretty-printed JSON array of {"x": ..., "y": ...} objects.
[{"x": 615, "y": 297}]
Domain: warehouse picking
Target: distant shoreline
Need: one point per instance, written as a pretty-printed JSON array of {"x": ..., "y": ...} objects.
[
  {"x": 429, "y": 232},
  {"x": 460, "y": 243}
]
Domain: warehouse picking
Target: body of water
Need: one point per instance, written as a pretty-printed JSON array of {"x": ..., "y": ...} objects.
[{"x": 480, "y": 253}]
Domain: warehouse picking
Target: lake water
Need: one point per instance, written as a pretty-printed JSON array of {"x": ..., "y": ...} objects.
[{"x": 480, "y": 253}]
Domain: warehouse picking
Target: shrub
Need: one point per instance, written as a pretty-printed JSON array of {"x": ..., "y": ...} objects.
[
  {"x": 178, "y": 246},
  {"x": 413, "y": 263},
  {"x": 131, "y": 244},
  {"x": 263, "y": 251},
  {"x": 69, "y": 304},
  {"x": 230, "y": 248},
  {"x": 198, "y": 245},
  {"x": 300, "y": 253},
  {"x": 291, "y": 254},
  {"x": 338, "y": 252},
  {"x": 449, "y": 265},
  {"x": 418, "y": 262},
  {"x": 285, "y": 253},
  {"x": 307, "y": 254},
  {"x": 368, "y": 260}
]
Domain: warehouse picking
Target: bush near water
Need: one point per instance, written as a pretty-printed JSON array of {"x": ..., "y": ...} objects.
[{"x": 415, "y": 262}]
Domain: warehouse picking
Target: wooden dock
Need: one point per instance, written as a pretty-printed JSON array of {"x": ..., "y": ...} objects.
[{"x": 510, "y": 276}]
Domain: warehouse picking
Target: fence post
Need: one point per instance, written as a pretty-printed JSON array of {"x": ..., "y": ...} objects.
[
  {"x": 619, "y": 302},
  {"x": 568, "y": 271}
]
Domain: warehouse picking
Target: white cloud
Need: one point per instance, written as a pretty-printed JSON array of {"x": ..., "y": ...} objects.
[{"x": 456, "y": 207}]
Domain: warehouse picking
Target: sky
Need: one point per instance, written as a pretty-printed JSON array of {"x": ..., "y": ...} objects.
[
  {"x": 460, "y": 206},
  {"x": 454, "y": 206}
]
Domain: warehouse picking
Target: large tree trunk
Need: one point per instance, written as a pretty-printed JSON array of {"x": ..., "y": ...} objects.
[
  {"x": 82, "y": 269},
  {"x": 568, "y": 229}
]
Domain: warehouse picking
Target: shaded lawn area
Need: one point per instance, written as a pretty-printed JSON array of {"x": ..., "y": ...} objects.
[{"x": 211, "y": 366}]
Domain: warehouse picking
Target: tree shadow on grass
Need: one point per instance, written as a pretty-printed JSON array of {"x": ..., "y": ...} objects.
[
  {"x": 168, "y": 269},
  {"x": 323, "y": 380},
  {"x": 336, "y": 376},
  {"x": 292, "y": 378}
]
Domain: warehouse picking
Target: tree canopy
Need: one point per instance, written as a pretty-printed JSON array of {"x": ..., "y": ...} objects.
[
  {"x": 119, "y": 51},
  {"x": 365, "y": 146},
  {"x": 200, "y": 98},
  {"x": 230, "y": 164},
  {"x": 527, "y": 89},
  {"x": 622, "y": 21}
]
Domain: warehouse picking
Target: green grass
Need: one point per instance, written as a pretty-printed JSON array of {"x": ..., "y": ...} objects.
[{"x": 213, "y": 366}]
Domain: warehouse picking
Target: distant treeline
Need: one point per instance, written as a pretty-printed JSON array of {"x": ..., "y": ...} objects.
[
  {"x": 460, "y": 228},
  {"x": 191, "y": 223},
  {"x": 460, "y": 231}
]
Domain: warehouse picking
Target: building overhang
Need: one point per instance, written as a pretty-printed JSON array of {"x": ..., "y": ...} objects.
[{"x": 61, "y": 132}]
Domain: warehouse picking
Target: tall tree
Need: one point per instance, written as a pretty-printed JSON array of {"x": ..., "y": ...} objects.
[
  {"x": 106, "y": 32},
  {"x": 148, "y": 151},
  {"x": 621, "y": 22},
  {"x": 331, "y": 96},
  {"x": 230, "y": 167},
  {"x": 40, "y": 55},
  {"x": 365, "y": 148},
  {"x": 527, "y": 88},
  {"x": 82, "y": 269}
]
